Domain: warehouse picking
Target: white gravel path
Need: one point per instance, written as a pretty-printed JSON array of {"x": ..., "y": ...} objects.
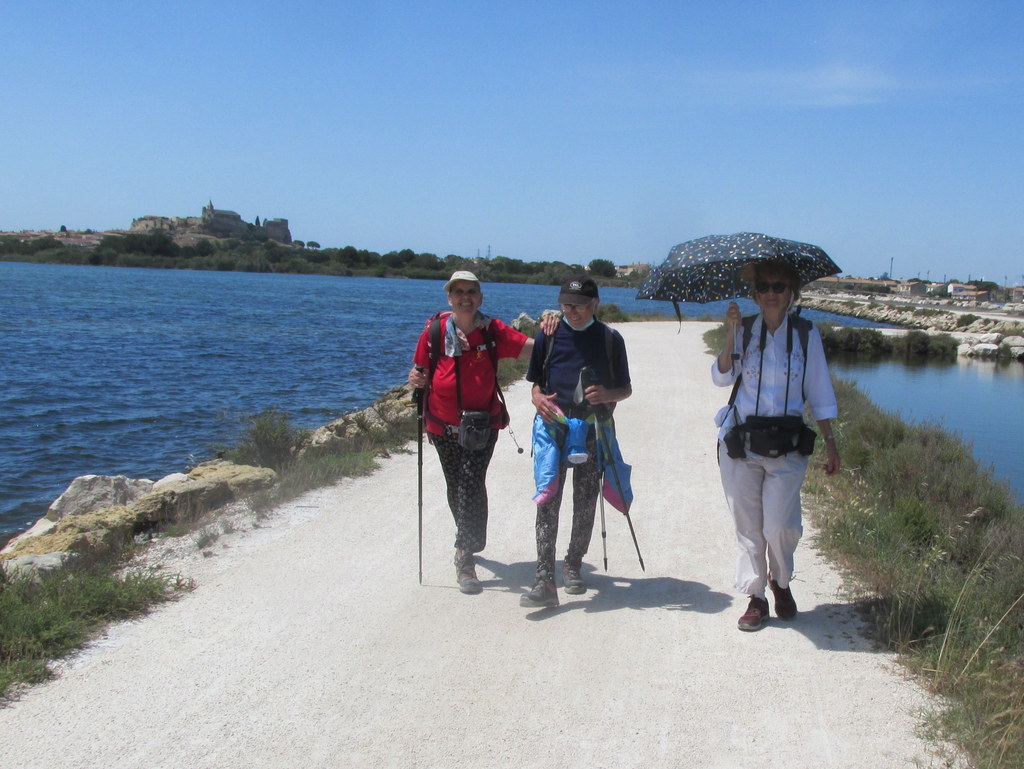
[{"x": 309, "y": 642}]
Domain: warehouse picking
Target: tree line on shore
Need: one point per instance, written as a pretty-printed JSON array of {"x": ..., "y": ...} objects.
[{"x": 260, "y": 254}]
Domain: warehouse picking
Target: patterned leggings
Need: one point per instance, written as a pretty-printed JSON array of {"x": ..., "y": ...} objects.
[
  {"x": 585, "y": 488},
  {"x": 465, "y": 474}
]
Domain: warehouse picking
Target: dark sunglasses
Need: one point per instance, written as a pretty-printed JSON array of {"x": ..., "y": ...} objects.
[{"x": 777, "y": 287}]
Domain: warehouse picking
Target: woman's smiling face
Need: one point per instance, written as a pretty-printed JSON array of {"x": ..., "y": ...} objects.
[{"x": 465, "y": 297}]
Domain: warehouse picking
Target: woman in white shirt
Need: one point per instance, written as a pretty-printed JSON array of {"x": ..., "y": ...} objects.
[{"x": 763, "y": 490}]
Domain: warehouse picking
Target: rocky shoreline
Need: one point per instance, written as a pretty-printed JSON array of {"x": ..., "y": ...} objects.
[{"x": 981, "y": 334}]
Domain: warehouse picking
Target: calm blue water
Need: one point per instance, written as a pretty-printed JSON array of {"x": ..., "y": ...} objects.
[
  {"x": 144, "y": 372},
  {"x": 982, "y": 401}
]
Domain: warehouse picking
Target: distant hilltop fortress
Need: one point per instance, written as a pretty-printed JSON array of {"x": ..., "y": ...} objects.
[{"x": 214, "y": 222}]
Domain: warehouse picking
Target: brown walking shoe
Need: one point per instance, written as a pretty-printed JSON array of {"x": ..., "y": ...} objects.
[
  {"x": 785, "y": 604},
  {"x": 465, "y": 573},
  {"x": 755, "y": 615}
]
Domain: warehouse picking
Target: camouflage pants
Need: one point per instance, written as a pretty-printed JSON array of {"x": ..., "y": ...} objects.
[
  {"x": 586, "y": 487},
  {"x": 465, "y": 475}
]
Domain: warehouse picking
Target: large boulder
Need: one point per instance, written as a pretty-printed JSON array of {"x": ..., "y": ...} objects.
[
  {"x": 35, "y": 566},
  {"x": 985, "y": 350},
  {"x": 97, "y": 531},
  {"x": 207, "y": 487},
  {"x": 94, "y": 492}
]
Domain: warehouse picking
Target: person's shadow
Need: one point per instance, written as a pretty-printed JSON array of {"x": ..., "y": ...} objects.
[
  {"x": 840, "y": 627},
  {"x": 606, "y": 592}
]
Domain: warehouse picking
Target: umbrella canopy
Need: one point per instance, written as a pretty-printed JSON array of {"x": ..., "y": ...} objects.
[{"x": 708, "y": 269}]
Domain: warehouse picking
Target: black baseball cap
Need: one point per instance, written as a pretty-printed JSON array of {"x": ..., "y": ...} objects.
[{"x": 578, "y": 290}]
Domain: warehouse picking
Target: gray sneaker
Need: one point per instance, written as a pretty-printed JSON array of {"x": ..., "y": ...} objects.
[{"x": 572, "y": 582}]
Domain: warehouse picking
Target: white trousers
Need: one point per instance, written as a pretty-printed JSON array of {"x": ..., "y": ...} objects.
[{"x": 764, "y": 497}]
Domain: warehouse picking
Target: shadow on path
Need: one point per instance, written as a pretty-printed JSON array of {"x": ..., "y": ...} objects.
[{"x": 606, "y": 592}]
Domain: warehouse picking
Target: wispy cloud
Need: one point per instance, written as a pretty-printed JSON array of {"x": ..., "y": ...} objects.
[
  {"x": 834, "y": 85},
  {"x": 828, "y": 85}
]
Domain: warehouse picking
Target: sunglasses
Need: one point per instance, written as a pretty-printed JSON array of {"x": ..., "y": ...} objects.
[{"x": 778, "y": 287}]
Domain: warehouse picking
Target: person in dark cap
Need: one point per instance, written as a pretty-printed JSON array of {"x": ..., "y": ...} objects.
[{"x": 581, "y": 366}]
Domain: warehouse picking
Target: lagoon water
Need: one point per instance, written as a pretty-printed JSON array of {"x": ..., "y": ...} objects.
[
  {"x": 981, "y": 401},
  {"x": 143, "y": 372}
]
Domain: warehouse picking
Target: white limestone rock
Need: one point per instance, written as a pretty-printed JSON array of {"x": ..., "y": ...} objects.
[{"x": 89, "y": 493}]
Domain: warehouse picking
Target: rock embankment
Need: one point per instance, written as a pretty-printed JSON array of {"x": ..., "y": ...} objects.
[
  {"x": 96, "y": 513},
  {"x": 987, "y": 336}
]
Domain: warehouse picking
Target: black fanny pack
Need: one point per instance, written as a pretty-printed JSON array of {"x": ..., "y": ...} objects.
[
  {"x": 771, "y": 437},
  {"x": 474, "y": 430}
]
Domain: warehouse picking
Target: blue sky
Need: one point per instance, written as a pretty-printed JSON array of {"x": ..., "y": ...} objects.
[{"x": 884, "y": 132}]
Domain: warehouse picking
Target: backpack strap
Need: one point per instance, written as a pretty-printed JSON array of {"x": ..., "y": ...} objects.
[
  {"x": 609, "y": 351},
  {"x": 492, "y": 350},
  {"x": 803, "y": 331},
  {"x": 435, "y": 347}
]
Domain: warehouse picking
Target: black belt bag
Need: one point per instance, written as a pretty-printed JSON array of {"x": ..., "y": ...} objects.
[
  {"x": 474, "y": 430},
  {"x": 775, "y": 436}
]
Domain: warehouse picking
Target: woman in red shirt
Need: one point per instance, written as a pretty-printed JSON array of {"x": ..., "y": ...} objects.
[{"x": 465, "y": 379}]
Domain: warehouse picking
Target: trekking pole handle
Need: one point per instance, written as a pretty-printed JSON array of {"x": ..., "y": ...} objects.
[{"x": 417, "y": 392}]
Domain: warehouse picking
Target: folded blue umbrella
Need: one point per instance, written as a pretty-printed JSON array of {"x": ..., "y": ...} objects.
[
  {"x": 617, "y": 488},
  {"x": 563, "y": 440}
]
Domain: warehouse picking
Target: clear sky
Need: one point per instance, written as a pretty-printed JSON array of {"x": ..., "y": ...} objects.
[{"x": 884, "y": 132}]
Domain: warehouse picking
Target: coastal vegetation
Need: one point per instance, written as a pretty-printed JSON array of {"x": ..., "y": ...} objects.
[
  {"x": 44, "y": 619},
  {"x": 932, "y": 544},
  {"x": 260, "y": 254},
  {"x": 873, "y": 343}
]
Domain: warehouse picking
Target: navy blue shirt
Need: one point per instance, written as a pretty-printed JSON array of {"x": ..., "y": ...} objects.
[{"x": 570, "y": 352}]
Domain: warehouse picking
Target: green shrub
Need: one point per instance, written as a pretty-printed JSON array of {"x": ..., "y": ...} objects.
[
  {"x": 270, "y": 440},
  {"x": 864, "y": 341},
  {"x": 925, "y": 345},
  {"x": 610, "y": 313}
]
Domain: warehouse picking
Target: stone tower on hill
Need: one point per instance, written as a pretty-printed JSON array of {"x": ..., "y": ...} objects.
[{"x": 214, "y": 222}]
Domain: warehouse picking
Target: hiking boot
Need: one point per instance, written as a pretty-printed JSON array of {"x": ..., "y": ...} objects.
[
  {"x": 543, "y": 594},
  {"x": 572, "y": 582},
  {"x": 465, "y": 573},
  {"x": 785, "y": 605},
  {"x": 755, "y": 615}
]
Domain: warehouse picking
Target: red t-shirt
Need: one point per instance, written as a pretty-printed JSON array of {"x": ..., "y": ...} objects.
[{"x": 476, "y": 374}]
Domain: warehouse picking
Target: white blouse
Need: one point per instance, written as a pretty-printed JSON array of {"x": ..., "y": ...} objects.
[{"x": 816, "y": 382}]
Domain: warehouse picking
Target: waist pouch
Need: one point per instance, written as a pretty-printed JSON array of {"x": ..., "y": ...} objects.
[
  {"x": 474, "y": 430},
  {"x": 775, "y": 436}
]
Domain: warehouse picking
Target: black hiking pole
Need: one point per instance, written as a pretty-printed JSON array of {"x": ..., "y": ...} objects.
[
  {"x": 417, "y": 398},
  {"x": 604, "y": 531}
]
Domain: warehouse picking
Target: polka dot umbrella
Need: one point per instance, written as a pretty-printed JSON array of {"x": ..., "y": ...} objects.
[{"x": 708, "y": 269}]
